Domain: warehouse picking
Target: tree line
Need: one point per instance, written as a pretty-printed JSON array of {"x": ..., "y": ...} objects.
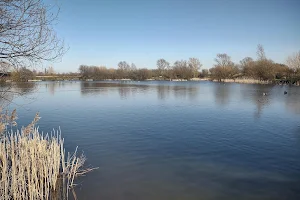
[
  {"x": 224, "y": 68},
  {"x": 261, "y": 68},
  {"x": 180, "y": 70},
  {"x": 24, "y": 74}
]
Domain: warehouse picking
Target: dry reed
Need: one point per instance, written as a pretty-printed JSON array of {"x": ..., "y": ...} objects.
[{"x": 34, "y": 166}]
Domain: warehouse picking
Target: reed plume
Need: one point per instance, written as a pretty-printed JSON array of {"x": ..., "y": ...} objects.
[{"x": 34, "y": 166}]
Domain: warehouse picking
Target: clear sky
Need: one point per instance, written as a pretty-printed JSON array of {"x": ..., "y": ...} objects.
[{"x": 104, "y": 32}]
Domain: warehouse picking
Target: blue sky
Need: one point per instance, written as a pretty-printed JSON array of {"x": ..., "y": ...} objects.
[{"x": 104, "y": 32}]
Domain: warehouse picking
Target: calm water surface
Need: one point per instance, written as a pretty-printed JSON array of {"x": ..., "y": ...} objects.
[{"x": 169, "y": 140}]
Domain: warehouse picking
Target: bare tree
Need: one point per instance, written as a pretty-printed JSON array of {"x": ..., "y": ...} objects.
[
  {"x": 123, "y": 65},
  {"x": 293, "y": 62},
  {"x": 182, "y": 70},
  {"x": 123, "y": 69},
  {"x": 22, "y": 75},
  {"x": 27, "y": 36},
  {"x": 143, "y": 74},
  {"x": 246, "y": 61},
  {"x": 261, "y": 52},
  {"x": 223, "y": 60},
  {"x": 247, "y": 67},
  {"x": 162, "y": 66},
  {"x": 204, "y": 73},
  {"x": 263, "y": 68},
  {"x": 195, "y": 65},
  {"x": 133, "y": 67},
  {"x": 84, "y": 70},
  {"x": 224, "y": 67}
]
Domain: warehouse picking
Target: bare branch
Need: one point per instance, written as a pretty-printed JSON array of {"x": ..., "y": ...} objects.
[{"x": 27, "y": 37}]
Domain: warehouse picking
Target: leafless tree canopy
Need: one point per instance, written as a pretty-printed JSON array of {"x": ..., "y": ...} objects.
[
  {"x": 261, "y": 69},
  {"x": 26, "y": 34},
  {"x": 133, "y": 67},
  {"x": 261, "y": 52},
  {"x": 246, "y": 61},
  {"x": 162, "y": 66},
  {"x": 123, "y": 65},
  {"x": 181, "y": 64},
  {"x": 195, "y": 65},
  {"x": 182, "y": 70},
  {"x": 294, "y": 62},
  {"x": 223, "y": 60},
  {"x": 224, "y": 67}
]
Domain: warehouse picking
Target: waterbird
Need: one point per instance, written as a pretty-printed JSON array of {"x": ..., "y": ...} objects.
[
  {"x": 264, "y": 94},
  {"x": 285, "y": 92}
]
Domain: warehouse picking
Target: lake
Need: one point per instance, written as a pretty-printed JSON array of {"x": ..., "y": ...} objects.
[{"x": 174, "y": 140}]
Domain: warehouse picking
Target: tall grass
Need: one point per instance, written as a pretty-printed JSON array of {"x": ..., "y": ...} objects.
[{"x": 35, "y": 166}]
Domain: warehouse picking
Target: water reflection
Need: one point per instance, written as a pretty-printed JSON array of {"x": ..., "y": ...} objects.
[
  {"x": 102, "y": 88},
  {"x": 292, "y": 99},
  {"x": 24, "y": 88},
  {"x": 222, "y": 93},
  {"x": 53, "y": 86},
  {"x": 261, "y": 98},
  {"x": 10, "y": 91},
  {"x": 259, "y": 95},
  {"x": 185, "y": 91},
  {"x": 125, "y": 90},
  {"x": 163, "y": 92},
  {"x": 89, "y": 88}
]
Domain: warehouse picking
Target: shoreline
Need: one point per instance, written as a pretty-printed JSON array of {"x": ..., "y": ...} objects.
[
  {"x": 241, "y": 81},
  {"x": 262, "y": 82}
]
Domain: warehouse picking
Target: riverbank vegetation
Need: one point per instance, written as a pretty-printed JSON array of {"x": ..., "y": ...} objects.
[
  {"x": 181, "y": 69},
  {"x": 35, "y": 165},
  {"x": 248, "y": 70},
  {"x": 261, "y": 70}
]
